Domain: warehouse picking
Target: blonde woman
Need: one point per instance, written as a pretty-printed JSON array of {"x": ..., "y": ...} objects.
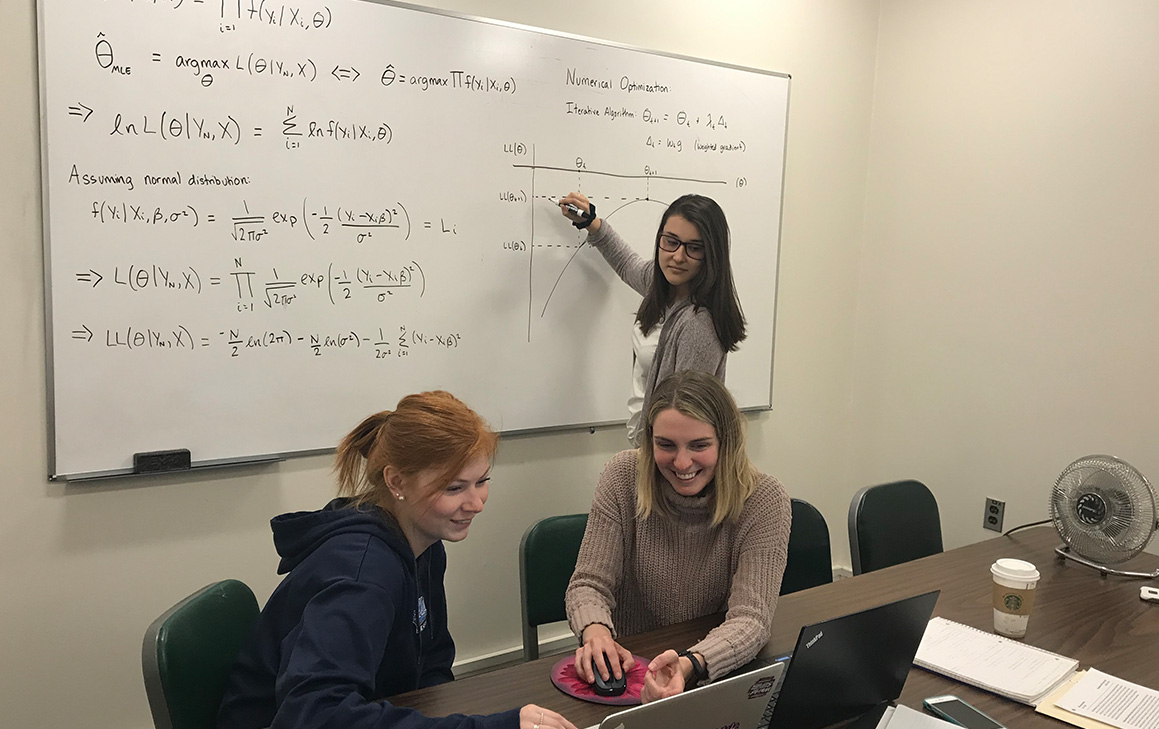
[
  {"x": 682, "y": 527},
  {"x": 362, "y": 614}
]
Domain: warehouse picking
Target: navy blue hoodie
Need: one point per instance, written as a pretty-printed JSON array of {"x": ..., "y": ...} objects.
[{"x": 356, "y": 620}]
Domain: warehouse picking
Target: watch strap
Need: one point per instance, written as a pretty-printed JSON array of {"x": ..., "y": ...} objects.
[{"x": 699, "y": 672}]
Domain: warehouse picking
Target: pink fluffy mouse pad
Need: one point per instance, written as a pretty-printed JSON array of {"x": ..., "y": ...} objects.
[{"x": 565, "y": 678}]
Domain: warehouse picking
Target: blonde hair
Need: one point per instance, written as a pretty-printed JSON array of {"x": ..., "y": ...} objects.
[
  {"x": 429, "y": 430},
  {"x": 701, "y": 396}
]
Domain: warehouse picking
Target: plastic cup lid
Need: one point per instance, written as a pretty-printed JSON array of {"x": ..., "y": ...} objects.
[{"x": 1015, "y": 569}]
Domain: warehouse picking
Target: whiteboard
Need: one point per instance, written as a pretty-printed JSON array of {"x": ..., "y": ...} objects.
[{"x": 266, "y": 220}]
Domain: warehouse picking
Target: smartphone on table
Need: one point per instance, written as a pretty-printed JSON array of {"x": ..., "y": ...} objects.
[{"x": 956, "y": 711}]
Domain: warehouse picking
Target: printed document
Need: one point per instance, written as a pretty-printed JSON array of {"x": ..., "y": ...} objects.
[{"x": 1113, "y": 701}]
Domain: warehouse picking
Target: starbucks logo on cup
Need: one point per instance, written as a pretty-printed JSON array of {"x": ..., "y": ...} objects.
[{"x": 1013, "y": 603}]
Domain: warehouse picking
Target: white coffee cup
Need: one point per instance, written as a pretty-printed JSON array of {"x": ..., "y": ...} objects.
[{"x": 1014, "y": 589}]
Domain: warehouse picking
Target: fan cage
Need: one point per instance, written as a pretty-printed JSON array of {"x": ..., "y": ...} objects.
[{"x": 1104, "y": 509}]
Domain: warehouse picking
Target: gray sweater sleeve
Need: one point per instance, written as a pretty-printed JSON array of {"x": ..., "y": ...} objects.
[
  {"x": 630, "y": 267},
  {"x": 591, "y": 593},
  {"x": 756, "y": 583}
]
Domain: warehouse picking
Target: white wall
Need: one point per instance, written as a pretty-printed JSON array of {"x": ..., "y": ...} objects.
[
  {"x": 83, "y": 570},
  {"x": 1006, "y": 322}
]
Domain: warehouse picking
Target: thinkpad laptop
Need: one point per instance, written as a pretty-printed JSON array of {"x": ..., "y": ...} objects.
[
  {"x": 850, "y": 666},
  {"x": 737, "y": 701}
]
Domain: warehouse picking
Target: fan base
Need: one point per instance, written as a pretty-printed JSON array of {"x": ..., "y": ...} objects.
[{"x": 1064, "y": 552}]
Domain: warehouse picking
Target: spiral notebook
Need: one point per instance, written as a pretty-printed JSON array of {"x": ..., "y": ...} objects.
[{"x": 1009, "y": 668}]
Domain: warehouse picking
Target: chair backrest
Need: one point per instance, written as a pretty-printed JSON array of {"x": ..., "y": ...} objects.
[
  {"x": 547, "y": 555},
  {"x": 188, "y": 652},
  {"x": 893, "y": 523},
  {"x": 810, "y": 559}
]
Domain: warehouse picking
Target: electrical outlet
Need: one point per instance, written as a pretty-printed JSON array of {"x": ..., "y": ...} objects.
[{"x": 992, "y": 515}]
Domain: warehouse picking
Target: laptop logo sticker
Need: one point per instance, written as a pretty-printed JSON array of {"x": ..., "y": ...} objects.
[
  {"x": 815, "y": 639},
  {"x": 761, "y": 687}
]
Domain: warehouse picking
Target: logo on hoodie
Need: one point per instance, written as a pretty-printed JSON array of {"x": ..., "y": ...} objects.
[{"x": 420, "y": 619}]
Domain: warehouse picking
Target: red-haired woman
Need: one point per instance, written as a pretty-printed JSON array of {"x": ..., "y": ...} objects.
[{"x": 362, "y": 614}]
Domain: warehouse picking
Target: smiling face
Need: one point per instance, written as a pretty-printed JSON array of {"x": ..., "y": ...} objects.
[
  {"x": 678, "y": 268},
  {"x": 685, "y": 450},
  {"x": 448, "y": 513}
]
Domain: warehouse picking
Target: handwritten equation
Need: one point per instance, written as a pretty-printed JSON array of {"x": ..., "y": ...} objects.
[
  {"x": 336, "y": 283},
  {"x": 227, "y": 12},
  {"x": 350, "y": 222},
  {"x": 385, "y": 343}
]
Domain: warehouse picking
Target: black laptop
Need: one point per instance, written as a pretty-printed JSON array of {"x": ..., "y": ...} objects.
[{"x": 850, "y": 666}]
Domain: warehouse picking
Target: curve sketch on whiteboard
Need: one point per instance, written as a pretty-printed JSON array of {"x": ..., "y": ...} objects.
[
  {"x": 580, "y": 169},
  {"x": 581, "y": 247}
]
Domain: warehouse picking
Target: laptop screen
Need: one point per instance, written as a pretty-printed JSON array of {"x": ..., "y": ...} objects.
[{"x": 846, "y": 666}]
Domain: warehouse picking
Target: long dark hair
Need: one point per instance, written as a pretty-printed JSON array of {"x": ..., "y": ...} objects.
[{"x": 713, "y": 287}]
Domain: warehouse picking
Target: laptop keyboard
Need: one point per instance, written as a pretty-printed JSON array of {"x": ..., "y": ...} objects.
[{"x": 767, "y": 717}]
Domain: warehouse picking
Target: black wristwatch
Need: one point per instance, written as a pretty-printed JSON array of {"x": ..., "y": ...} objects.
[{"x": 699, "y": 672}]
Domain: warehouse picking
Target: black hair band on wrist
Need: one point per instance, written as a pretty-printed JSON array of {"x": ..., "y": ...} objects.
[
  {"x": 699, "y": 673},
  {"x": 589, "y": 216}
]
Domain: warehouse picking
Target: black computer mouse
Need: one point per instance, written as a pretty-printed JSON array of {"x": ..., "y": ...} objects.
[{"x": 613, "y": 686}]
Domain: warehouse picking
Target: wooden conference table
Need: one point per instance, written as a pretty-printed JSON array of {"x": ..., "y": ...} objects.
[{"x": 1099, "y": 620}]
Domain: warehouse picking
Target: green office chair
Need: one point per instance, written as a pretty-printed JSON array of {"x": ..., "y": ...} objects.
[
  {"x": 810, "y": 560},
  {"x": 893, "y": 523},
  {"x": 547, "y": 555},
  {"x": 188, "y": 652}
]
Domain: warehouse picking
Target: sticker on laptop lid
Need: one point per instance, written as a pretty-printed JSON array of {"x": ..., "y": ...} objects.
[{"x": 762, "y": 687}]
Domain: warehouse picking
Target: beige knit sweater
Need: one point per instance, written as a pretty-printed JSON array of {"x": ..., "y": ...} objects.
[{"x": 635, "y": 575}]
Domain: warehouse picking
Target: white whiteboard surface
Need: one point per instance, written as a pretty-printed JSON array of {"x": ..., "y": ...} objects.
[{"x": 266, "y": 220}]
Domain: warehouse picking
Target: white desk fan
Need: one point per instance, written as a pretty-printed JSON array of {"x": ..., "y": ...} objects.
[{"x": 1104, "y": 510}]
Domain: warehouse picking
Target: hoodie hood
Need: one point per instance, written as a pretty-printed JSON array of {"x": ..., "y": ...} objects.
[{"x": 298, "y": 534}]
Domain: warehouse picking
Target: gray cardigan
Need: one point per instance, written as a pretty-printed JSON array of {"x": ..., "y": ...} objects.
[{"x": 687, "y": 337}]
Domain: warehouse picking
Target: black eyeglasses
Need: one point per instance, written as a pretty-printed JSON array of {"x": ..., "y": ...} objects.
[{"x": 694, "y": 249}]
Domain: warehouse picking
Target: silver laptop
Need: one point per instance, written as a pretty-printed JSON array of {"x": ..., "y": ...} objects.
[{"x": 737, "y": 701}]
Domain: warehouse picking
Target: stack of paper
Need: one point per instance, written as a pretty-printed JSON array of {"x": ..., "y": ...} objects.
[
  {"x": 1006, "y": 667},
  {"x": 1094, "y": 700}
]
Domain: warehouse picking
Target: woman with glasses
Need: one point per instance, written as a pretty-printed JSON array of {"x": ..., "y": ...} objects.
[{"x": 690, "y": 318}]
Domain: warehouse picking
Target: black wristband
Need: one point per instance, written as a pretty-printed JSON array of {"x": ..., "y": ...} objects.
[
  {"x": 589, "y": 216},
  {"x": 699, "y": 672}
]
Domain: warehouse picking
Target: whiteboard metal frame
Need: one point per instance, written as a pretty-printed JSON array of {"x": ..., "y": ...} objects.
[{"x": 46, "y": 252}]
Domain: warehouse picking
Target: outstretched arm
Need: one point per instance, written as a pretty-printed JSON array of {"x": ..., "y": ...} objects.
[{"x": 630, "y": 267}]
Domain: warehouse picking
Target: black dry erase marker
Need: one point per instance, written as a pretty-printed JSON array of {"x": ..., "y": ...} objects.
[{"x": 571, "y": 207}]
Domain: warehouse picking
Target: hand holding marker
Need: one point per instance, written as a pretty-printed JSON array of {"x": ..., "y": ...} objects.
[
  {"x": 586, "y": 216},
  {"x": 573, "y": 208}
]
